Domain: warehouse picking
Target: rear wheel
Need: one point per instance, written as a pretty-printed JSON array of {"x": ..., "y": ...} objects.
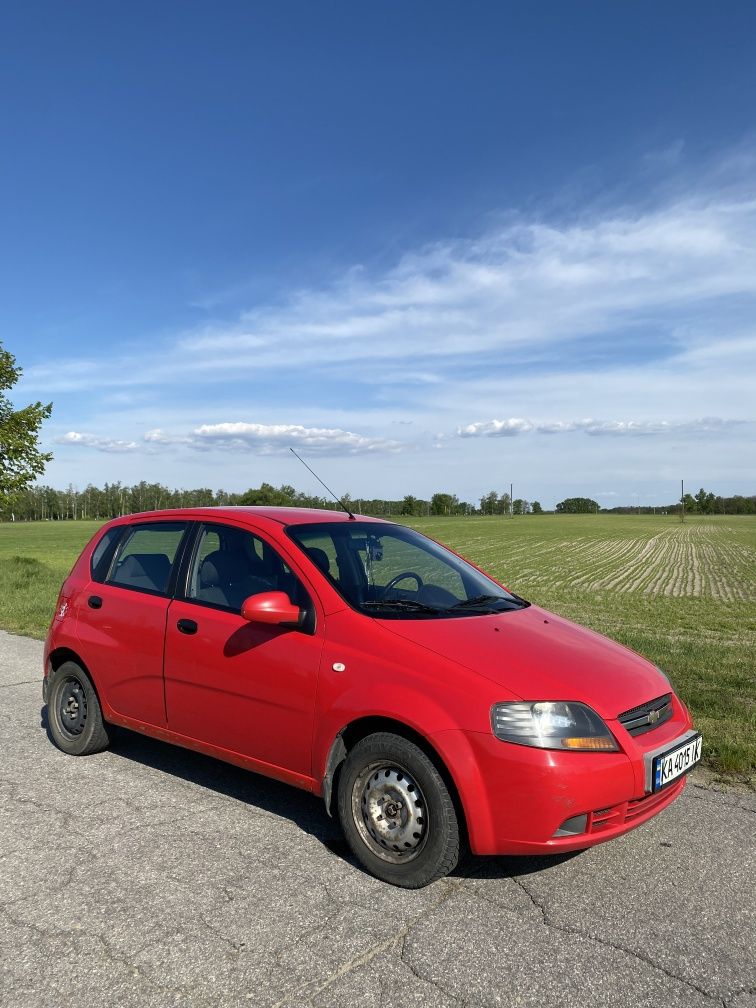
[
  {"x": 396, "y": 812},
  {"x": 74, "y": 716}
]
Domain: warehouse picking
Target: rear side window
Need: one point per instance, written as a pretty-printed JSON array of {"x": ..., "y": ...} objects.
[
  {"x": 103, "y": 553},
  {"x": 146, "y": 557}
]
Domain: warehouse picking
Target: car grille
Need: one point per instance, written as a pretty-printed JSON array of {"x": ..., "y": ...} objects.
[{"x": 648, "y": 716}]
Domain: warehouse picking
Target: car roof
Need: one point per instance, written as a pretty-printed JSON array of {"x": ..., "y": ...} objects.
[{"x": 281, "y": 515}]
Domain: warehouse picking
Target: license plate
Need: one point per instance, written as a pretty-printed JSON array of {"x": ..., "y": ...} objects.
[{"x": 671, "y": 765}]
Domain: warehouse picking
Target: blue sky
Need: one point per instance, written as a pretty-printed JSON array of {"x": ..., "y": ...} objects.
[{"x": 432, "y": 246}]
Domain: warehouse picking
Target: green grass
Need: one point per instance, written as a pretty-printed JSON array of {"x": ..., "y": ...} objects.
[
  {"x": 35, "y": 557},
  {"x": 683, "y": 595}
]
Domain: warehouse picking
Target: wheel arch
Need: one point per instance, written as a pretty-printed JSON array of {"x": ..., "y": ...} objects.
[
  {"x": 360, "y": 728},
  {"x": 60, "y": 655}
]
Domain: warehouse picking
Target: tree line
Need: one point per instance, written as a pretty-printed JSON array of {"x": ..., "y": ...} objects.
[
  {"x": 705, "y": 502},
  {"x": 41, "y": 503},
  {"x": 46, "y": 503}
]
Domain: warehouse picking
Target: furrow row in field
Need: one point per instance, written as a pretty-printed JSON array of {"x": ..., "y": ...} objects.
[
  {"x": 698, "y": 560},
  {"x": 681, "y": 565},
  {"x": 604, "y": 558},
  {"x": 715, "y": 564},
  {"x": 626, "y": 576}
]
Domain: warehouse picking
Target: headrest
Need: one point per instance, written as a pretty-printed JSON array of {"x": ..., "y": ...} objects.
[
  {"x": 319, "y": 557},
  {"x": 154, "y": 566},
  {"x": 223, "y": 568}
]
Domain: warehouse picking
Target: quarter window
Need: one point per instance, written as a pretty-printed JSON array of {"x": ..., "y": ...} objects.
[{"x": 103, "y": 553}]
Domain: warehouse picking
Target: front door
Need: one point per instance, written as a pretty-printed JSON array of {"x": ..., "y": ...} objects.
[{"x": 246, "y": 688}]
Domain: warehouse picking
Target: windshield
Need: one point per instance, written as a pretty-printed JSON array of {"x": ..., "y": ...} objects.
[{"x": 393, "y": 572}]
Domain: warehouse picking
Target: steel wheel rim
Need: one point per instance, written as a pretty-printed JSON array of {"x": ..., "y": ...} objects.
[
  {"x": 71, "y": 707},
  {"x": 390, "y": 812}
]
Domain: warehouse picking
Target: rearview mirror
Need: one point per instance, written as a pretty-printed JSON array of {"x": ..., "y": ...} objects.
[{"x": 273, "y": 607}]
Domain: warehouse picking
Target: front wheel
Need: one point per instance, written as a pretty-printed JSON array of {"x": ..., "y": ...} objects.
[
  {"x": 396, "y": 812},
  {"x": 74, "y": 716}
]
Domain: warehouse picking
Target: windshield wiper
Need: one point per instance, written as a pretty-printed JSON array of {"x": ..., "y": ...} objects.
[
  {"x": 400, "y": 603},
  {"x": 476, "y": 601}
]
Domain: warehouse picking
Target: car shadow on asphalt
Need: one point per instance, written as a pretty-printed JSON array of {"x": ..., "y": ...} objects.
[{"x": 303, "y": 809}]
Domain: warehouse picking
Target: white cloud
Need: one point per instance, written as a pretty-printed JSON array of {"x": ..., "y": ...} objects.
[
  {"x": 158, "y": 438},
  {"x": 496, "y": 428},
  {"x": 100, "y": 443},
  {"x": 516, "y": 425},
  {"x": 262, "y": 439},
  {"x": 268, "y": 438}
]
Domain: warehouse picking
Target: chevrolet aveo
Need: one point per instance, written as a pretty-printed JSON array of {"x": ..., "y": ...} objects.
[{"x": 357, "y": 659}]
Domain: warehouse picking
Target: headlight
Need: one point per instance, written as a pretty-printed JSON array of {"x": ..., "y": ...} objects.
[{"x": 552, "y": 726}]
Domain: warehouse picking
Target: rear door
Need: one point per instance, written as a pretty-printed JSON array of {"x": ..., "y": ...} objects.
[
  {"x": 244, "y": 687},
  {"x": 121, "y": 624}
]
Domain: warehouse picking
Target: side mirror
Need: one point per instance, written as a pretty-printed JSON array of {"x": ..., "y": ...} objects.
[{"x": 273, "y": 607}]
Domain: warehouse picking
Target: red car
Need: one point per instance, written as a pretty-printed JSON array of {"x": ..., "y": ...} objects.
[{"x": 357, "y": 659}]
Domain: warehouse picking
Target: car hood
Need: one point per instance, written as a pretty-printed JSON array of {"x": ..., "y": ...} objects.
[{"x": 539, "y": 656}]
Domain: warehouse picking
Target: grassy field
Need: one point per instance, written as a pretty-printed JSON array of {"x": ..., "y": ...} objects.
[{"x": 683, "y": 595}]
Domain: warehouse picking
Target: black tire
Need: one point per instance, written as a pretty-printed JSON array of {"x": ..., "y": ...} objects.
[
  {"x": 396, "y": 812},
  {"x": 74, "y": 716}
]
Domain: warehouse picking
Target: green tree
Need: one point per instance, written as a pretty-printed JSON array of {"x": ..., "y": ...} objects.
[
  {"x": 489, "y": 502},
  {"x": 577, "y": 505},
  {"x": 536, "y": 508},
  {"x": 266, "y": 495},
  {"x": 410, "y": 505},
  {"x": 701, "y": 499},
  {"x": 444, "y": 503},
  {"x": 20, "y": 458}
]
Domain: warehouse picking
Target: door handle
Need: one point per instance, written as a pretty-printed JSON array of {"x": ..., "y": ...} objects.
[
  {"x": 187, "y": 626},
  {"x": 94, "y": 602}
]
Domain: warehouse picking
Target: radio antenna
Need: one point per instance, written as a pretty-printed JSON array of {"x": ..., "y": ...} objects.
[{"x": 337, "y": 499}]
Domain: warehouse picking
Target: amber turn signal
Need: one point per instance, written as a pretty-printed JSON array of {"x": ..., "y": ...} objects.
[{"x": 604, "y": 742}]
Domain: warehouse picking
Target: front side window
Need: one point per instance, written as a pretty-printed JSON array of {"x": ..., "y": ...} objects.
[
  {"x": 229, "y": 565},
  {"x": 392, "y": 571},
  {"x": 146, "y": 557}
]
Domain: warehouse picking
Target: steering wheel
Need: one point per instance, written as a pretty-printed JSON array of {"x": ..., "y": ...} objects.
[{"x": 400, "y": 577}]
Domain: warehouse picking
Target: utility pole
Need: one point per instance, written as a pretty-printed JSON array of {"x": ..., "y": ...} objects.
[
  {"x": 511, "y": 502},
  {"x": 682, "y": 500}
]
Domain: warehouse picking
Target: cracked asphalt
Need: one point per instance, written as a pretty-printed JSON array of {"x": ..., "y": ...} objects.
[{"x": 149, "y": 875}]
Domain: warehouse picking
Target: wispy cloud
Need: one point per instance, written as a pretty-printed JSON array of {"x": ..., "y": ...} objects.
[
  {"x": 519, "y": 287},
  {"x": 516, "y": 425},
  {"x": 102, "y": 444}
]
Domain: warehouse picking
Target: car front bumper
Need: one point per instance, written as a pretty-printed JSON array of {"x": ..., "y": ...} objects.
[{"x": 517, "y": 799}]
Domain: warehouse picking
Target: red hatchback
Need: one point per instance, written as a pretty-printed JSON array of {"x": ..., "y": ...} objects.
[{"x": 359, "y": 660}]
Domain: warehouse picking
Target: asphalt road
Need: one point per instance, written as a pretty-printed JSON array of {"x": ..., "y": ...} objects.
[{"x": 148, "y": 875}]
